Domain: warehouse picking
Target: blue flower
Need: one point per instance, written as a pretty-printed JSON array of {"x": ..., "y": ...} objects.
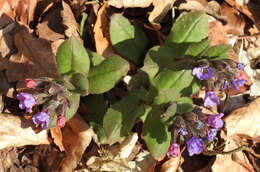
[
  {"x": 211, "y": 134},
  {"x": 211, "y": 99},
  {"x": 41, "y": 118},
  {"x": 203, "y": 72},
  {"x": 195, "y": 145},
  {"x": 27, "y": 101}
]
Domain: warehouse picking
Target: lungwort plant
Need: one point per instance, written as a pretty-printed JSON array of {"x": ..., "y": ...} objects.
[{"x": 158, "y": 94}]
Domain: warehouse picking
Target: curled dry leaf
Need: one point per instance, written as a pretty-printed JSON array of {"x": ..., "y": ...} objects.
[
  {"x": 78, "y": 136},
  {"x": 244, "y": 120},
  {"x": 171, "y": 165},
  {"x": 17, "y": 131},
  {"x": 69, "y": 20},
  {"x": 101, "y": 33},
  {"x": 161, "y": 8},
  {"x": 56, "y": 135}
]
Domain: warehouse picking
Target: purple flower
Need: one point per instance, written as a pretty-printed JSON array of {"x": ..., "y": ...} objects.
[
  {"x": 225, "y": 85},
  {"x": 42, "y": 118},
  {"x": 27, "y": 101},
  {"x": 174, "y": 150},
  {"x": 195, "y": 145},
  {"x": 203, "y": 72},
  {"x": 215, "y": 121},
  {"x": 182, "y": 131},
  {"x": 240, "y": 66},
  {"x": 211, "y": 99},
  {"x": 238, "y": 83},
  {"x": 211, "y": 134}
]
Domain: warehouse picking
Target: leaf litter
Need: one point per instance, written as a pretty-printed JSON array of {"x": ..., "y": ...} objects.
[{"x": 28, "y": 51}]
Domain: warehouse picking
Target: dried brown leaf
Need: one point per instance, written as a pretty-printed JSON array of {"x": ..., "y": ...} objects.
[
  {"x": 56, "y": 134},
  {"x": 34, "y": 59},
  {"x": 69, "y": 20},
  {"x": 245, "y": 121},
  {"x": 161, "y": 8},
  {"x": 171, "y": 165},
  {"x": 17, "y": 131},
  {"x": 101, "y": 33},
  {"x": 77, "y": 136},
  {"x": 130, "y": 4}
]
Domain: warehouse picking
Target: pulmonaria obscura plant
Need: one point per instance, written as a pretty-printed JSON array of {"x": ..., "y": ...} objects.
[{"x": 158, "y": 93}]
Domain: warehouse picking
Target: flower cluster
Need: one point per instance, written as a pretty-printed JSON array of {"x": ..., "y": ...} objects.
[
  {"x": 197, "y": 128},
  {"x": 51, "y": 96}
]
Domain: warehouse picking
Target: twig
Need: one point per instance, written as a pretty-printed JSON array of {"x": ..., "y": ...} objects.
[{"x": 228, "y": 152}]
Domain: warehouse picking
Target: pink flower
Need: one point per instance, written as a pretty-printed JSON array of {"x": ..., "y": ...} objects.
[
  {"x": 30, "y": 83},
  {"x": 61, "y": 121},
  {"x": 174, "y": 150}
]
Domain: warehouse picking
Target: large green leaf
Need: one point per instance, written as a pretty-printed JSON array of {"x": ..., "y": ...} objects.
[
  {"x": 197, "y": 48},
  {"x": 176, "y": 75},
  {"x": 96, "y": 106},
  {"x": 104, "y": 76},
  {"x": 95, "y": 58},
  {"x": 80, "y": 81},
  {"x": 120, "y": 118},
  {"x": 156, "y": 134},
  {"x": 217, "y": 50},
  {"x": 128, "y": 40},
  {"x": 166, "y": 96},
  {"x": 184, "y": 105},
  {"x": 72, "y": 57},
  {"x": 156, "y": 58},
  {"x": 191, "y": 27}
]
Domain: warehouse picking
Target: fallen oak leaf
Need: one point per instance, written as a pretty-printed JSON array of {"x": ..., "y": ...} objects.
[
  {"x": 17, "y": 131},
  {"x": 56, "y": 134},
  {"x": 77, "y": 136}
]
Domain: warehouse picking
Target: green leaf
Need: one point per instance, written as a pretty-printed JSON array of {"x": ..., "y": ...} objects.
[
  {"x": 176, "y": 75},
  {"x": 156, "y": 58},
  {"x": 72, "y": 57},
  {"x": 104, "y": 76},
  {"x": 70, "y": 111},
  {"x": 191, "y": 27},
  {"x": 184, "y": 105},
  {"x": 166, "y": 96},
  {"x": 216, "y": 51},
  {"x": 95, "y": 58},
  {"x": 146, "y": 110},
  {"x": 197, "y": 48},
  {"x": 80, "y": 82},
  {"x": 156, "y": 134},
  {"x": 120, "y": 118},
  {"x": 170, "y": 112},
  {"x": 82, "y": 23},
  {"x": 128, "y": 40},
  {"x": 96, "y": 107}
]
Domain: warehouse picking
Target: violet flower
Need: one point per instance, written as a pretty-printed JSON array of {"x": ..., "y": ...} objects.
[
  {"x": 61, "y": 121},
  {"x": 195, "y": 145},
  {"x": 203, "y": 72},
  {"x": 174, "y": 150},
  {"x": 225, "y": 85},
  {"x": 215, "y": 121},
  {"x": 238, "y": 83},
  {"x": 211, "y": 99},
  {"x": 27, "y": 101},
  {"x": 182, "y": 131},
  {"x": 41, "y": 118},
  {"x": 240, "y": 66},
  {"x": 211, "y": 134}
]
